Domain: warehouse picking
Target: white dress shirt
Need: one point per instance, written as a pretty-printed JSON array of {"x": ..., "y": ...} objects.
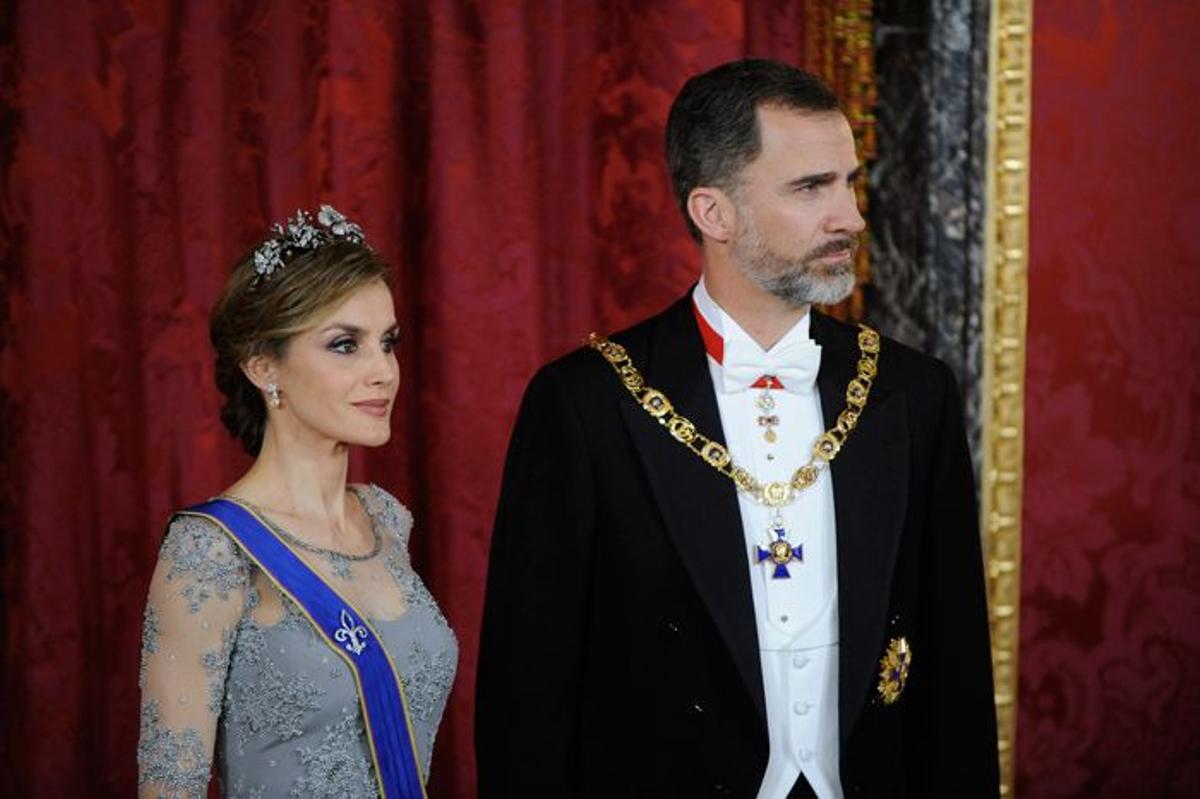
[{"x": 797, "y": 617}]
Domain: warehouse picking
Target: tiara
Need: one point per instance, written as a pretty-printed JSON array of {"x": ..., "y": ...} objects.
[{"x": 300, "y": 234}]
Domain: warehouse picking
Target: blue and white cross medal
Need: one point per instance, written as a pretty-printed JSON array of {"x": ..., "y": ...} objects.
[{"x": 780, "y": 552}]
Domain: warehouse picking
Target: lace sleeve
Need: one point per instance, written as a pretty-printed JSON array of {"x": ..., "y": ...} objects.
[
  {"x": 197, "y": 595},
  {"x": 394, "y": 517}
]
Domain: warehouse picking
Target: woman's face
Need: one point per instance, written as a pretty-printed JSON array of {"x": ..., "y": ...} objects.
[{"x": 339, "y": 378}]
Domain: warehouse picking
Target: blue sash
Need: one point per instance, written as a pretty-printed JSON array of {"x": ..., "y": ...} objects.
[{"x": 347, "y": 632}]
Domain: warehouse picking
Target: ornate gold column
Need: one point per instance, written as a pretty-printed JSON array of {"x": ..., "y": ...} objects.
[{"x": 1006, "y": 260}]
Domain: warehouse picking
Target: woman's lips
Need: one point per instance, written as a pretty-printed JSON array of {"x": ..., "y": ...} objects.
[{"x": 377, "y": 408}]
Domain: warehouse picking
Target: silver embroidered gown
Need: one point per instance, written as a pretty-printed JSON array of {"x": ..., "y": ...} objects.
[{"x": 231, "y": 666}]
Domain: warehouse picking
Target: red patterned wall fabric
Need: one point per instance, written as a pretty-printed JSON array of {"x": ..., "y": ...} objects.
[
  {"x": 506, "y": 156},
  {"x": 1110, "y": 615}
]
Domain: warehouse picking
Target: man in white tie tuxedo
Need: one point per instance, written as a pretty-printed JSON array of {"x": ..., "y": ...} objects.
[{"x": 736, "y": 552}]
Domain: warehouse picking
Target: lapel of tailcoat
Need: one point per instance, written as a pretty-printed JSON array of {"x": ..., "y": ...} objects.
[
  {"x": 698, "y": 504},
  {"x": 870, "y": 488}
]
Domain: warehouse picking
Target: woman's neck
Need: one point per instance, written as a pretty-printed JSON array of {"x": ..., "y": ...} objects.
[{"x": 302, "y": 479}]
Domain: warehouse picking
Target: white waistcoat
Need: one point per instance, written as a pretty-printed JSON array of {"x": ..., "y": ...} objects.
[{"x": 797, "y": 617}]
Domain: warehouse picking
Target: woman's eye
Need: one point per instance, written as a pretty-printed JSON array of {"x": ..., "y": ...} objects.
[
  {"x": 344, "y": 346},
  {"x": 389, "y": 344}
]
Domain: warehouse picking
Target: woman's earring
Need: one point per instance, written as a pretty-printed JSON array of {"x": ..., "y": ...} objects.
[{"x": 273, "y": 395}]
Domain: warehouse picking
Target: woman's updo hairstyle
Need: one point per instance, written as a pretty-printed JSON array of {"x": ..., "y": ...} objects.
[{"x": 277, "y": 290}]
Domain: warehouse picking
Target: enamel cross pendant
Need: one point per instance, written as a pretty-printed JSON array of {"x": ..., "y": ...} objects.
[{"x": 780, "y": 552}]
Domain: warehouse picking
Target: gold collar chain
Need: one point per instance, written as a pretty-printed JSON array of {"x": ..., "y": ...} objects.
[{"x": 775, "y": 494}]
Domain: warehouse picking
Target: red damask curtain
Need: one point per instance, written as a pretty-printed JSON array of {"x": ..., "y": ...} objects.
[
  {"x": 505, "y": 156},
  {"x": 1109, "y": 695}
]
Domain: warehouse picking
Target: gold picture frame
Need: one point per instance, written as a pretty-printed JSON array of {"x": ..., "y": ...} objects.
[{"x": 1005, "y": 302}]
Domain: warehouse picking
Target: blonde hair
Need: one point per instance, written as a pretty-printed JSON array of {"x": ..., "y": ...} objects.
[{"x": 261, "y": 318}]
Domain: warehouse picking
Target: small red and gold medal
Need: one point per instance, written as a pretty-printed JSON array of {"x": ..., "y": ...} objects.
[{"x": 766, "y": 404}]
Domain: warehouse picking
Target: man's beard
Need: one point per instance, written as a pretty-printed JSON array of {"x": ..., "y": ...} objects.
[{"x": 796, "y": 281}]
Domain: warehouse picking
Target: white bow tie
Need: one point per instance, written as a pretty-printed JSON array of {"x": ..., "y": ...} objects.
[{"x": 795, "y": 365}]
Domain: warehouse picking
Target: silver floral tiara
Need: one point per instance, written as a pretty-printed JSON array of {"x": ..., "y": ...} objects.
[{"x": 300, "y": 234}]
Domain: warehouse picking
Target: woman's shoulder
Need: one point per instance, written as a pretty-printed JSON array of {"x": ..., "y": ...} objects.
[
  {"x": 198, "y": 552},
  {"x": 384, "y": 507},
  {"x": 190, "y": 535}
]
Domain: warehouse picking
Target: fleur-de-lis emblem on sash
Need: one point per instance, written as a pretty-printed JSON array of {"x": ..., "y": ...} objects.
[{"x": 352, "y": 636}]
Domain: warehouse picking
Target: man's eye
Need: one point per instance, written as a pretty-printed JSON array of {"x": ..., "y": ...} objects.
[{"x": 344, "y": 345}]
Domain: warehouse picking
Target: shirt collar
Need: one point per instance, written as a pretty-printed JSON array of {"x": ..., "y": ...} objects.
[{"x": 729, "y": 330}]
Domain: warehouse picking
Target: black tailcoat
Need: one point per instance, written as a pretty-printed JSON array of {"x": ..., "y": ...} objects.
[{"x": 619, "y": 654}]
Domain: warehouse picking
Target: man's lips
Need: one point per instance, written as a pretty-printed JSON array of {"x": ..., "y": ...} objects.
[
  {"x": 373, "y": 407},
  {"x": 834, "y": 252}
]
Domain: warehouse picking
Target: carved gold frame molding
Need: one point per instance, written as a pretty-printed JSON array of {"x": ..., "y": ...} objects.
[{"x": 1006, "y": 260}]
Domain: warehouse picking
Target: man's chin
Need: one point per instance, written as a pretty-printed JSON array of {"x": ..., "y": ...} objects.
[
  {"x": 835, "y": 291},
  {"x": 822, "y": 290}
]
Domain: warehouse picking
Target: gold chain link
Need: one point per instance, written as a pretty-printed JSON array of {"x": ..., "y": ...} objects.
[{"x": 683, "y": 430}]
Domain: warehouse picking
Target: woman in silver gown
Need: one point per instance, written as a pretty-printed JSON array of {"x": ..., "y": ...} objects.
[{"x": 305, "y": 334}]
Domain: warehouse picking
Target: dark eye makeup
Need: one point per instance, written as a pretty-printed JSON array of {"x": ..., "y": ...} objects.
[
  {"x": 347, "y": 345},
  {"x": 344, "y": 345}
]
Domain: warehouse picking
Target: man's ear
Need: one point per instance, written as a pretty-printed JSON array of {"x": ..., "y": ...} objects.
[
  {"x": 260, "y": 370},
  {"x": 712, "y": 212}
]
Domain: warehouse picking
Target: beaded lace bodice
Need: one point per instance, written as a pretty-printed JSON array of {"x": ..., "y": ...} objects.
[{"x": 231, "y": 666}]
